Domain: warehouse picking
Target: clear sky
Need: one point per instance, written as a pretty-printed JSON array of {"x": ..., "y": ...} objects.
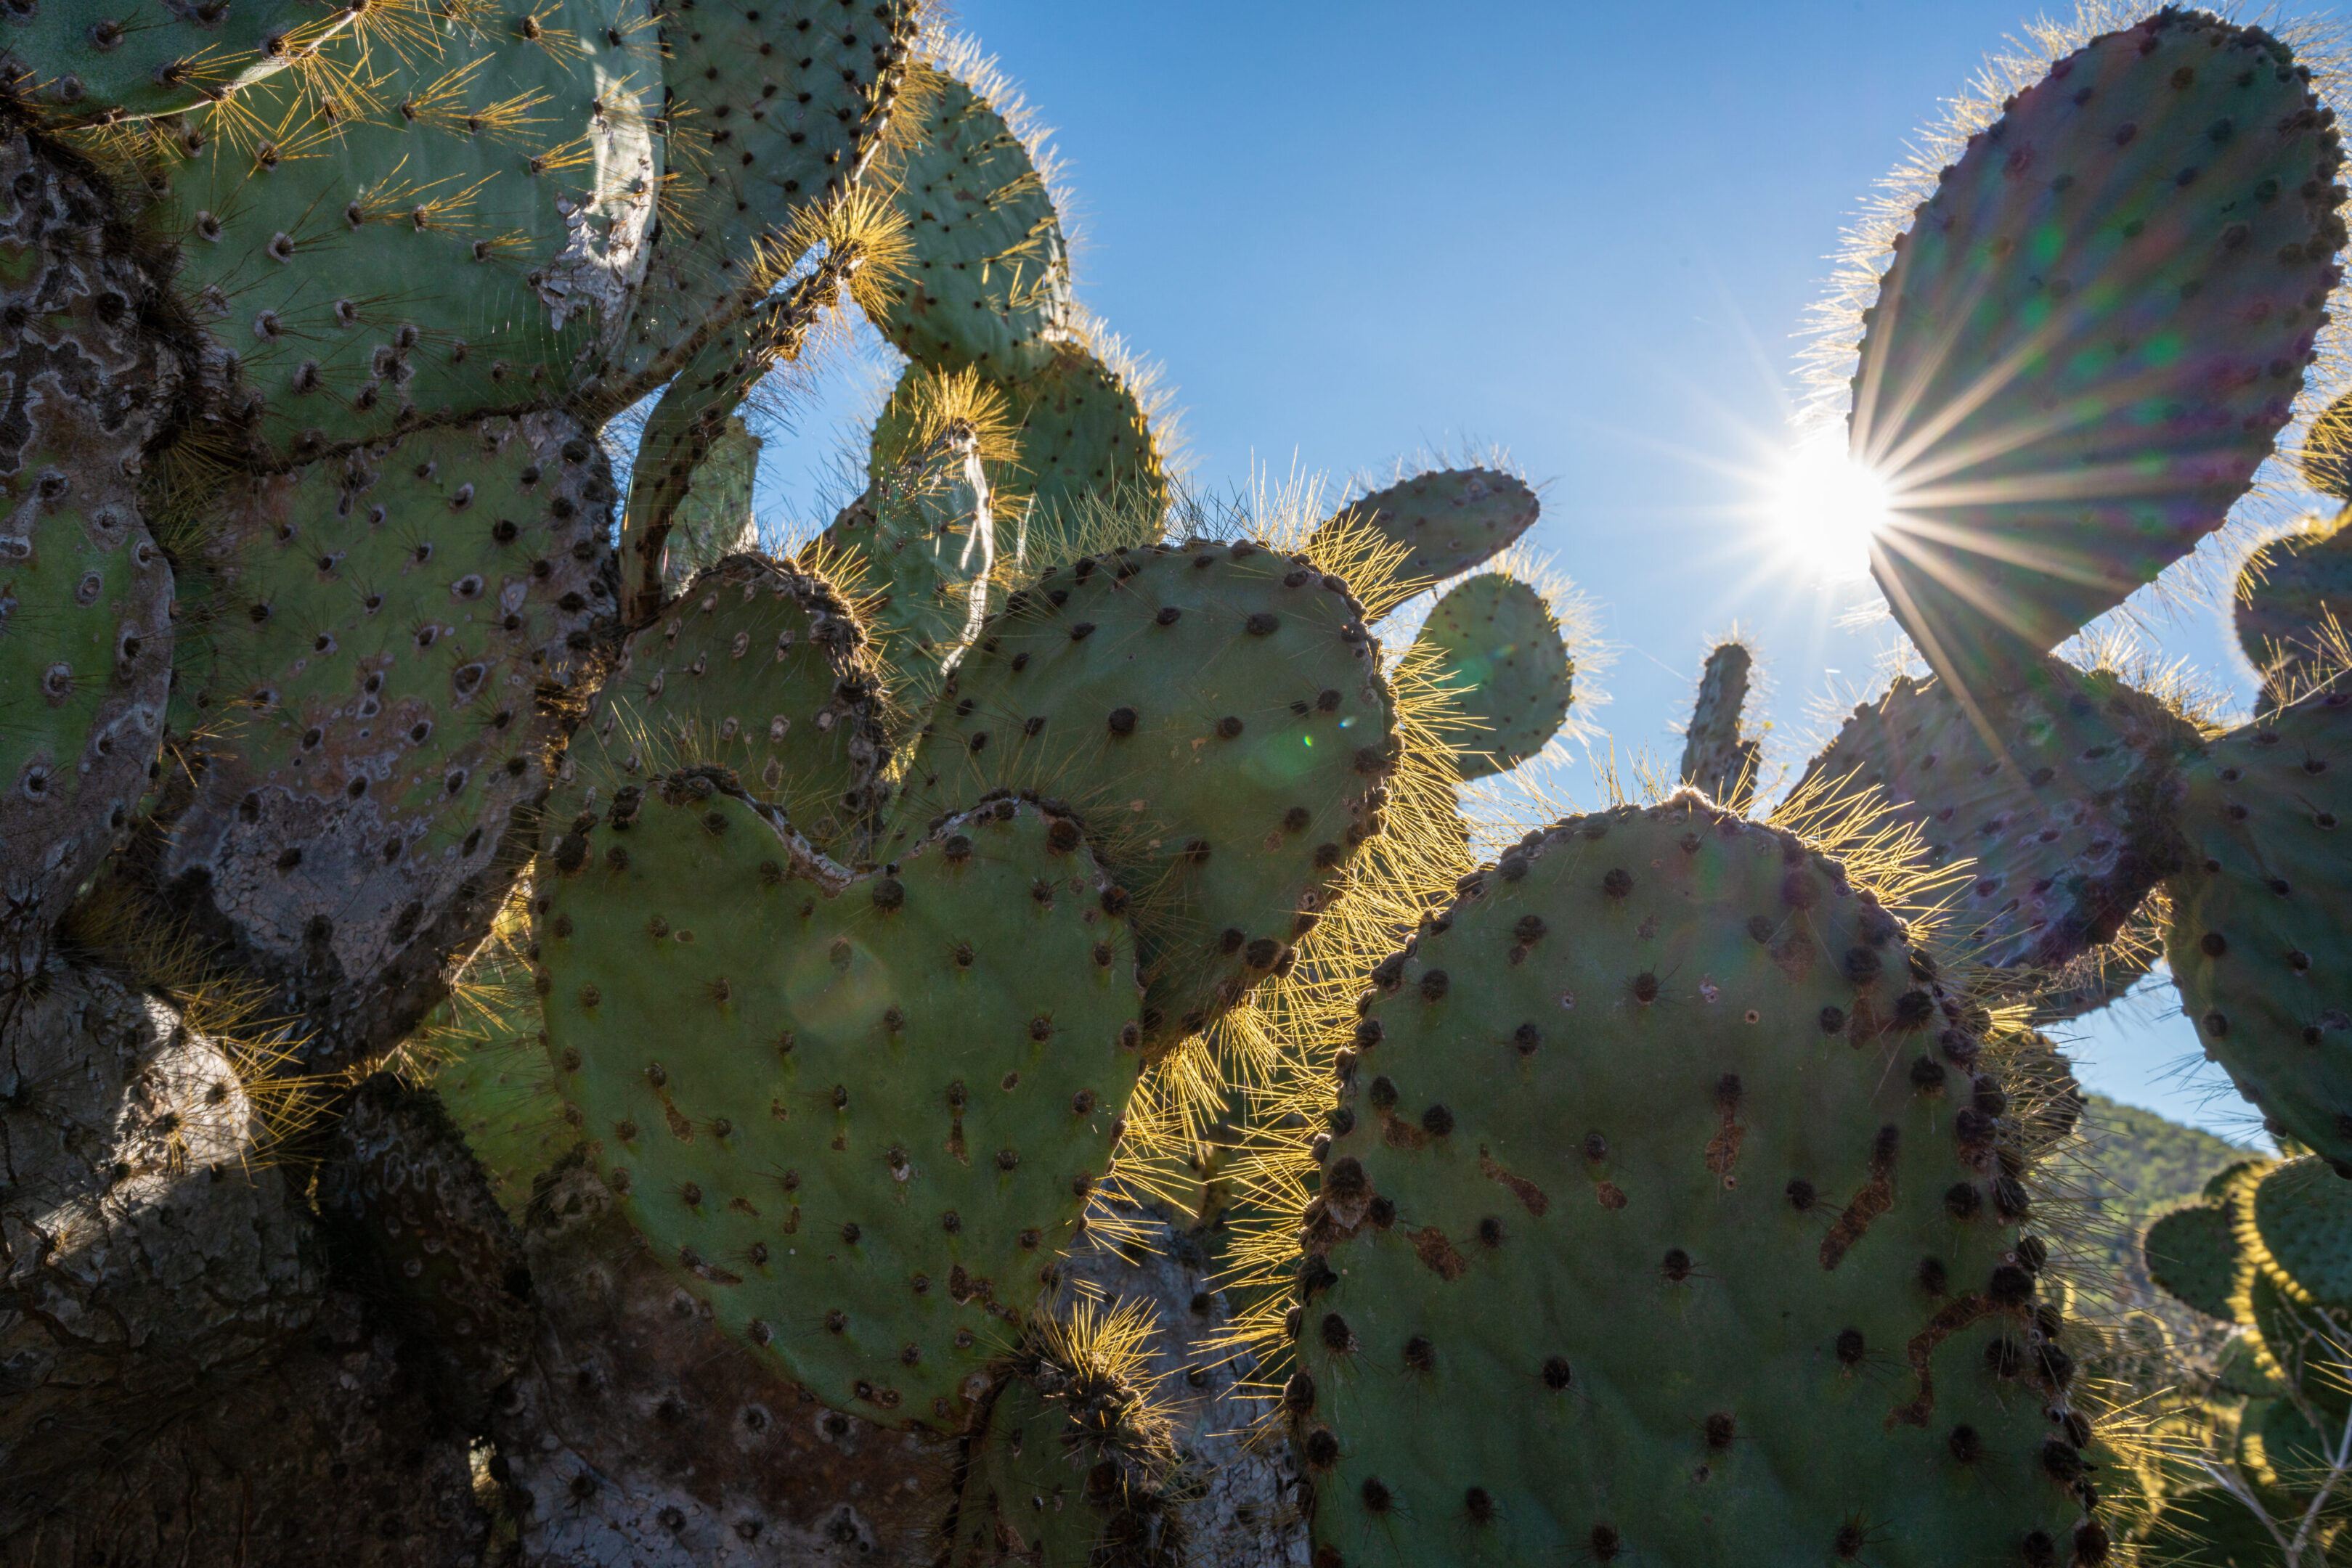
[{"x": 1587, "y": 235}]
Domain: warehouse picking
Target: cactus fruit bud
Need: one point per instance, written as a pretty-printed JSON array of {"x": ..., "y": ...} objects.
[
  {"x": 1497, "y": 648},
  {"x": 2092, "y": 332},
  {"x": 1717, "y": 761},
  {"x": 1757, "y": 1291},
  {"x": 2256, "y": 915},
  {"x": 845, "y": 1111}
]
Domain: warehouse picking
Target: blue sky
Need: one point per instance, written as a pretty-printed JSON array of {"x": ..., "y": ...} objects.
[{"x": 1586, "y": 234}]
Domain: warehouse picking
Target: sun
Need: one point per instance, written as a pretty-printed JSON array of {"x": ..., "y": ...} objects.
[{"x": 1824, "y": 508}]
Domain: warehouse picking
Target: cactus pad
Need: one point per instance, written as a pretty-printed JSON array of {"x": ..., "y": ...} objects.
[
  {"x": 2295, "y": 597},
  {"x": 1044, "y": 1488},
  {"x": 397, "y": 629},
  {"x": 94, "y": 69},
  {"x": 759, "y": 668},
  {"x": 471, "y": 248},
  {"x": 922, "y": 544},
  {"x": 1085, "y": 436},
  {"x": 1500, "y": 653},
  {"x": 990, "y": 283},
  {"x": 2257, "y": 917},
  {"x": 2303, "y": 1213},
  {"x": 2193, "y": 1254},
  {"x": 1449, "y": 519},
  {"x": 1717, "y": 761},
  {"x": 487, "y": 1062},
  {"x": 1671, "y": 1212},
  {"x": 859, "y": 1116},
  {"x": 1214, "y": 713},
  {"x": 84, "y": 596},
  {"x": 2068, "y": 825},
  {"x": 772, "y": 108},
  {"x": 714, "y": 520},
  {"x": 2092, "y": 332}
]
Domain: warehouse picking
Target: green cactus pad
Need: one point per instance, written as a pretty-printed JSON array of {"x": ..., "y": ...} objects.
[
  {"x": 2090, "y": 333},
  {"x": 2300, "y": 1345},
  {"x": 397, "y": 628},
  {"x": 714, "y": 519},
  {"x": 760, "y": 668},
  {"x": 2327, "y": 461},
  {"x": 1662, "y": 1218},
  {"x": 1042, "y": 1490},
  {"x": 491, "y": 1072},
  {"x": 774, "y": 108},
  {"x": 2193, "y": 1253},
  {"x": 2068, "y": 825},
  {"x": 1214, "y": 713},
  {"x": 2224, "y": 1184},
  {"x": 2245, "y": 1369},
  {"x": 1717, "y": 761},
  {"x": 2257, "y": 922},
  {"x": 2303, "y": 1213},
  {"x": 922, "y": 543},
  {"x": 2291, "y": 593},
  {"x": 2281, "y": 1446},
  {"x": 471, "y": 246},
  {"x": 1084, "y": 441},
  {"x": 1450, "y": 519},
  {"x": 1506, "y": 667},
  {"x": 859, "y": 1116},
  {"x": 86, "y": 636},
  {"x": 990, "y": 281}
]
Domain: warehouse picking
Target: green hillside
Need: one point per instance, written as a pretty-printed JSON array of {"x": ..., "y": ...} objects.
[{"x": 2136, "y": 1164}]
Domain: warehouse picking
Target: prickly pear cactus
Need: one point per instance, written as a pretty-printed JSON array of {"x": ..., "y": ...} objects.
[
  {"x": 1448, "y": 519},
  {"x": 1495, "y": 645},
  {"x": 85, "y": 71},
  {"x": 768, "y": 111},
  {"x": 714, "y": 520},
  {"x": 479, "y": 1051},
  {"x": 991, "y": 281},
  {"x": 858, "y": 1115},
  {"x": 1717, "y": 759},
  {"x": 2064, "y": 829},
  {"x": 2294, "y": 595},
  {"x": 398, "y": 633},
  {"x": 1215, "y": 713},
  {"x": 1066, "y": 1474},
  {"x": 459, "y": 231},
  {"x": 2157, "y": 212},
  {"x": 2256, "y": 917},
  {"x": 2193, "y": 1254},
  {"x": 921, "y": 544},
  {"x": 84, "y": 596},
  {"x": 1741, "y": 1188},
  {"x": 762, "y": 669}
]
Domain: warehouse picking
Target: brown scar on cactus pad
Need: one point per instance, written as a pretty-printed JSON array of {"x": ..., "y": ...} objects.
[
  {"x": 1587, "y": 1351},
  {"x": 2092, "y": 329}
]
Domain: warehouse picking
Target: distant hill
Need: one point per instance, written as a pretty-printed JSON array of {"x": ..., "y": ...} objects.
[{"x": 2136, "y": 1165}]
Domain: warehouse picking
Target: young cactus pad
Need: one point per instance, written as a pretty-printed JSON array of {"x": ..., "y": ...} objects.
[
  {"x": 2066, "y": 824},
  {"x": 859, "y": 1116},
  {"x": 2302, "y": 1218},
  {"x": 2090, "y": 333},
  {"x": 990, "y": 283},
  {"x": 1214, "y": 713},
  {"x": 1717, "y": 761},
  {"x": 2257, "y": 918},
  {"x": 922, "y": 543},
  {"x": 762, "y": 669},
  {"x": 84, "y": 596},
  {"x": 714, "y": 520},
  {"x": 1450, "y": 519},
  {"x": 1497, "y": 651},
  {"x": 1086, "y": 450},
  {"x": 1671, "y": 1212},
  {"x": 395, "y": 625}
]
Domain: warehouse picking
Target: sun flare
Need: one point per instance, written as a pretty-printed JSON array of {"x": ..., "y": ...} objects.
[{"x": 1825, "y": 506}]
